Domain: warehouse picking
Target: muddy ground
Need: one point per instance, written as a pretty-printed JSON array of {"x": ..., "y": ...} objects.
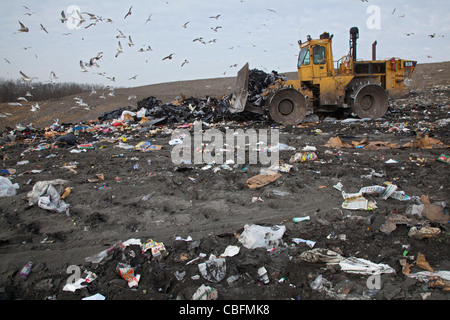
[{"x": 213, "y": 207}]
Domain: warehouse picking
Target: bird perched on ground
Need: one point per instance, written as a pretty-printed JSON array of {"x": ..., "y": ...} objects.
[
  {"x": 22, "y": 28},
  {"x": 43, "y": 28},
  {"x": 128, "y": 13},
  {"x": 119, "y": 50},
  {"x": 168, "y": 57}
]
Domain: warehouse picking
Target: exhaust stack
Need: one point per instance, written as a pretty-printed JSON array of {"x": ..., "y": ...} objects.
[
  {"x": 354, "y": 34},
  {"x": 374, "y": 51}
]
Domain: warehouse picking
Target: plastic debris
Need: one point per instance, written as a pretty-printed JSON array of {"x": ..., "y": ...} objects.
[
  {"x": 127, "y": 273},
  {"x": 363, "y": 266},
  {"x": 255, "y": 236},
  {"x": 205, "y": 292},
  {"x": 321, "y": 255},
  {"x": 263, "y": 276},
  {"x": 214, "y": 269},
  {"x": 80, "y": 283},
  {"x": 7, "y": 188}
]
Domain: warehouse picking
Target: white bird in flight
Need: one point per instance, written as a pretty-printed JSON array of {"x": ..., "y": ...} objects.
[
  {"x": 130, "y": 42},
  {"x": 119, "y": 50},
  {"x": 22, "y": 28},
  {"x": 120, "y": 35},
  {"x": 169, "y": 56},
  {"x": 128, "y": 13},
  {"x": 25, "y": 78},
  {"x": 83, "y": 69},
  {"x": 43, "y": 28},
  {"x": 63, "y": 17}
]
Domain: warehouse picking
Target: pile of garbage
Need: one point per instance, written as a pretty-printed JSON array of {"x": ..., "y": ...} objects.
[{"x": 151, "y": 111}]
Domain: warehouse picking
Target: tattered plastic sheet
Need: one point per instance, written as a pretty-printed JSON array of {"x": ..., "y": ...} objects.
[
  {"x": 47, "y": 197},
  {"x": 362, "y": 266},
  {"x": 255, "y": 236}
]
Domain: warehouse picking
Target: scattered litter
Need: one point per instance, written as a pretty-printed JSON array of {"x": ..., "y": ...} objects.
[
  {"x": 363, "y": 266},
  {"x": 214, "y": 269},
  {"x": 7, "y": 188},
  {"x": 256, "y": 236},
  {"x": 205, "y": 292},
  {"x": 321, "y": 255},
  {"x": 262, "y": 180}
]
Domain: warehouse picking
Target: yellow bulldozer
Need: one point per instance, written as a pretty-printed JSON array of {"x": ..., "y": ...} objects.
[{"x": 362, "y": 88}]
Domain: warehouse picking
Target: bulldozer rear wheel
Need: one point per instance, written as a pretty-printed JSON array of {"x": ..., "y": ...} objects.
[
  {"x": 370, "y": 101},
  {"x": 288, "y": 106}
]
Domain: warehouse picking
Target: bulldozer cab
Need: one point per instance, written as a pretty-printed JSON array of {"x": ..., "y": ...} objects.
[{"x": 315, "y": 59}]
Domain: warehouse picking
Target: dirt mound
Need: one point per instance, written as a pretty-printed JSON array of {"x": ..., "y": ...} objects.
[
  {"x": 68, "y": 111},
  {"x": 168, "y": 227}
]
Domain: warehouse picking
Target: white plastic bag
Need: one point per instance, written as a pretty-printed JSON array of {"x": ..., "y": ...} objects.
[
  {"x": 7, "y": 188},
  {"x": 255, "y": 236}
]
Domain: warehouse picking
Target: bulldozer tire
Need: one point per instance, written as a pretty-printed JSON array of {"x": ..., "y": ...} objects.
[
  {"x": 370, "y": 101},
  {"x": 288, "y": 106}
]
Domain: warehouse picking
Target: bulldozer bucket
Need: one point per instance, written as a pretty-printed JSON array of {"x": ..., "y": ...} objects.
[{"x": 240, "y": 93}]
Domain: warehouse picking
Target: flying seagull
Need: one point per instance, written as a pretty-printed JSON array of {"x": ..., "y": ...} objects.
[
  {"x": 130, "y": 42},
  {"x": 169, "y": 56},
  {"x": 120, "y": 35},
  {"x": 25, "y": 78},
  {"x": 215, "y": 17},
  {"x": 119, "y": 50},
  {"x": 128, "y": 13},
  {"x": 22, "y": 28},
  {"x": 184, "y": 62},
  {"x": 149, "y": 18},
  {"x": 133, "y": 77},
  {"x": 216, "y": 28},
  {"x": 83, "y": 69},
  {"x": 63, "y": 17},
  {"x": 53, "y": 77},
  {"x": 185, "y": 25},
  {"x": 43, "y": 28}
]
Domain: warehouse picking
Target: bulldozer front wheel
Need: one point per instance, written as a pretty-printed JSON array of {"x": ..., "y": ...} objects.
[
  {"x": 288, "y": 106},
  {"x": 370, "y": 101}
]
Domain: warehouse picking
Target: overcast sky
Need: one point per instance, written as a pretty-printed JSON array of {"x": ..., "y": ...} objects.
[{"x": 261, "y": 32}]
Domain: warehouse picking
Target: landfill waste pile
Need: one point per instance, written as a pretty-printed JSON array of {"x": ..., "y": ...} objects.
[
  {"x": 354, "y": 209},
  {"x": 186, "y": 110}
]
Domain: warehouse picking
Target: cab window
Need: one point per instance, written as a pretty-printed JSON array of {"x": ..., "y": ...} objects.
[
  {"x": 319, "y": 55},
  {"x": 303, "y": 58}
]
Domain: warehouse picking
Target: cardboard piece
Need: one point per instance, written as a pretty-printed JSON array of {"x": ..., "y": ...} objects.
[
  {"x": 433, "y": 212},
  {"x": 262, "y": 180}
]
